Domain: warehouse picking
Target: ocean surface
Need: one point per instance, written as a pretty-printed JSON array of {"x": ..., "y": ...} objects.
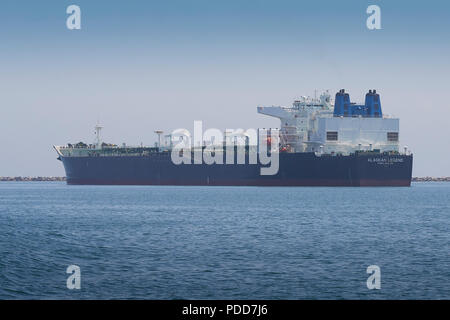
[{"x": 152, "y": 242}]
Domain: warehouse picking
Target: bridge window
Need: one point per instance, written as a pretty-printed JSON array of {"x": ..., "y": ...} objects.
[
  {"x": 392, "y": 136},
  {"x": 332, "y": 135}
]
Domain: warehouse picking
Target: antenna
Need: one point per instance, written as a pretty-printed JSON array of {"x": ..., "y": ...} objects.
[{"x": 98, "y": 129}]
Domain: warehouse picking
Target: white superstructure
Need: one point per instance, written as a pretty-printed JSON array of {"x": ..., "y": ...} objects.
[{"x": 315, "y": 125}]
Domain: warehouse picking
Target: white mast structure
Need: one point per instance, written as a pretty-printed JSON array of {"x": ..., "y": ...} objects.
[
  {"x": 98, "y": 143},
  {"x": 159, "y": 133}
]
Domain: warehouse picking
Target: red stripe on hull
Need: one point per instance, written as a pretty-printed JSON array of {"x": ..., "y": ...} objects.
[{"x": 305, "y": 183}]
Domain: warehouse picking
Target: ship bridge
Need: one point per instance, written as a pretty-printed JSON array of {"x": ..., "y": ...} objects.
[
  {"x": 316, "y": 125},
  {"x": 297, "y": 121}
]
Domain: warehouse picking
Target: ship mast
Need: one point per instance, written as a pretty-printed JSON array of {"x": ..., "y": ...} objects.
[
  {"x": 159, "y": 133},
  {"x": 98, "y": 129}
]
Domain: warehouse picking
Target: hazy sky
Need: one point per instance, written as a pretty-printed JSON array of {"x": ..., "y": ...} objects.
[{"x": 138, "y": 66}]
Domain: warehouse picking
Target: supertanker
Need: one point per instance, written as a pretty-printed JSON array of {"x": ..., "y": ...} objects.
[{"x": 318, "y": 144}]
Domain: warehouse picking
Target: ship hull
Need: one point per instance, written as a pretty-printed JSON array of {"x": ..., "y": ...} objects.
[{"x": 295, "y": 169}]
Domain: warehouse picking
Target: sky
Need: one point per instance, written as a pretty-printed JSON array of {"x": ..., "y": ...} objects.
[{"x": 138, "y": 66}]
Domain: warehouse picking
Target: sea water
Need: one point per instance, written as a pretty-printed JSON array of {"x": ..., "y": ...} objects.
[{"x": 163, "y": 242}]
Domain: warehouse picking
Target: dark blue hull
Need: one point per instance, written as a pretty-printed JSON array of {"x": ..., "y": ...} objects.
[{"x": 295, "y": 169}]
